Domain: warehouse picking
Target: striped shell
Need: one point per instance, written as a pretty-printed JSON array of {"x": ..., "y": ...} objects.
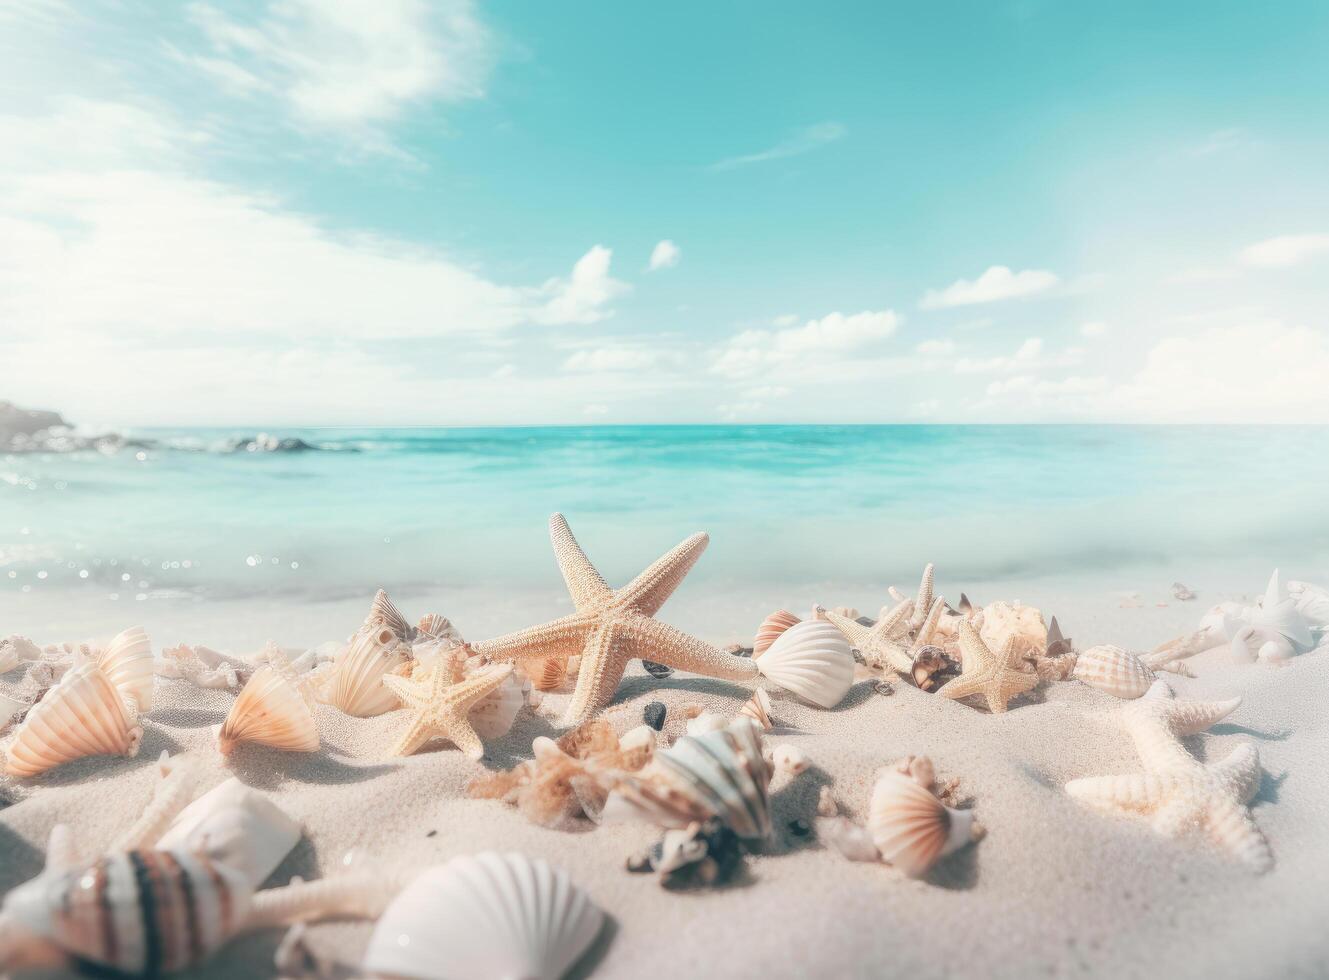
[
  {"x": 1114, "y": 671},
  {"x": 550, "y": 674},
  {"x": 437, "y": 627},
  {"x": 770, "y": 629},
  {"x": 128, "y": 664},
  {"x": 355, "y": 685},
  {"x": 141, "y": 913},
  {"x": 383, "y": 612},
  {"x": 911, "y": 828},
  {"x": 813, "y": 660},
  {"x": 84, "y": 714},
  {"x": 273, "y": 709},
  {"x": 758, "y": 708}
]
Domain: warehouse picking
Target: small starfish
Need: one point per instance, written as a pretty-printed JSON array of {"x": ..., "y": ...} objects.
[
  {"x": 983, "y": 672},
  {"x": 441, "y": 707},
  {"x": 611, "y": 627},
  {"x": 880, "y": 643},
  {"x": 1179, "y": 791}
]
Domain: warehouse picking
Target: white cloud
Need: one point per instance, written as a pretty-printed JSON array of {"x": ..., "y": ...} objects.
[
  {"x": 1284, "y": 250},
  {"x": 803, "y": 141},
  {"x": 665, "y": 255},
  {"x": 1094, "y": 328},
  {"x": 1028, "y": 357},
  {"x": 585, "y": 297},
  {"x": 997, "y": 283},
  {"x": 610, "y": 359},
  {"x": 936, "y": 348},
  {"x": 831, "y": 337}
]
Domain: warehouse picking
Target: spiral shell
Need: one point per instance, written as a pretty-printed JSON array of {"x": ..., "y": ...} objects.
[
  {"x": 84, "y": 714},
  {"x": 770, "y": 629},
  {"x": 273, "y": 709},
  {"x": 1114, "y": 671},
  {"x": 355, "y": 685},
  {"x": 813, "y": 660},
  {"x": 911, "y": 828}
]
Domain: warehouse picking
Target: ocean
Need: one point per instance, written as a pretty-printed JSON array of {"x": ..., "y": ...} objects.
[{"x": 213, "y": 515}]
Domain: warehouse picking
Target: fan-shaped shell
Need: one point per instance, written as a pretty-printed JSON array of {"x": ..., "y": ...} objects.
[
  {"x": 493, "y": 715},
  {"x": 550, "y": 674},
  {"x": 356, "y": 682},
  {"x": 770, "y": 629},
  {"x": 911, "y": 828},
  {"x": 127, "y": 663},
  {"x": 82, "y": 715},
  {"x": 438, "y": 627},
  {"x": 1114, "y": 671},
  {"x": 758, "y": 708},
  {"x": 485, "y": 917},
  {"x": 384, "y": 612},
  {"x": 813, "y": 660},
  {"x": 273, "y": 709}
]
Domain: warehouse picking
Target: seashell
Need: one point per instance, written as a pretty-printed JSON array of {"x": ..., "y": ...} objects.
[
  {"x": 719, "y": 774},
  {"x": 355, "y": 685},
  {"x": 127, "y": 663},
  {"x": 813, "y": 660},
  {"x": 758, "y": 708},
  {"x": 911, "y": 828},
  {"x": 14, "y": 650},
  {"x": 551, "y": 674},
  {"x": 1280, "y": 615},
  {"x": 84, "y": 714},
  {"x": 485, "y": 917},
  {"x": 707, "y": 721},
  {"x": 658, "y": 671},
  {"x": 1312, "y": 602},
  {"x": 771, "y": 627},
  {"x": 273, "y": 709},
  {"x": 1278, "y": 651},
  {"x": 383, "y": 612},
  {"x": 1058, "y": 645},
  {"x": 848, "y": 612},
  {"x": 1002, "y": 620},
  {"x": 198, "y": 666},
  {"x": 1181, "y": 592},
  {"x": 790, "y": 759},
  {"x": 438, "y": 627},
  {"x": 237, "y": 827},
  {"x": 1114, "y": 671},
  {"x": 933, "y": 667},
  {"x": 493, "y": 715}
]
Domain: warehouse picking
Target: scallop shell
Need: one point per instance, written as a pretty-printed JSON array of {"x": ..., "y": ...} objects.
[
  {"x": 1281, "y": 615},
  {"x": 273, "y": 709},
  {"x": 485, "y": 917},
  {"x": 719, "y": 774},
  {"x": 438, "y": 627},
  {"x": 235, "y": 826},
  {"x": 758, "y": 708},
  {"x": 355, "y": 685},
  {"x": 383, "y": 612},
  {"x": 911, "y": 828},
  {"x": 493, "y": 715},
  {"x": 771, "y": 627},
  {"x": 1114, "y": 671},
  {"x": 550, "y": 674},
  {"x": 82, "y": 715},
  {"x": 127, "y": 663},
  {"x": 813, "y": 660}
]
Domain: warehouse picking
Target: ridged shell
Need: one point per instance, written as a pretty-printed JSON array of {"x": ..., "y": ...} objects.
[
  {"x": 911, "y": 828},
  {"x": 438, "y": 627},
  {"x": 1114, "y": 671},
  {"x": 758, "y": 708},
  {"x": 813, "y": 660},
  {"x": 485, "y": 917},
  {"x": 82, "y": 715},
  {"x": 383, "y": 612},
  {"x": 770, "y": 629},
  {"x": 550, "y": 674},
  {"x": 139, "y": 912},
  {"x": 273, "y": 709},
  {"x": 127, "y": 663},
  {"x": 493, "y": 715},
  {"x": 719, "y": 774},
  {"x": 235, "y": 826},
  {"x": 355, "y": 685}
]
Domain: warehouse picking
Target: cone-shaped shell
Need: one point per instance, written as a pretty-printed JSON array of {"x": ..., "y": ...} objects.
[
  {"x": 273, "y": 709},
  {"x": 355, "y": 684},
  {"x": 758, "y": 708},
  {"x": 82, "y": 715},
  {"x": 771, "y": 627},
  {"x": 127, "y": 663},
  {"x": 1114, "y": 671},
  {"x": 485, "y": 917},
  {"x": 912, "y": 828},
  {"x": 813, "y": 660}
]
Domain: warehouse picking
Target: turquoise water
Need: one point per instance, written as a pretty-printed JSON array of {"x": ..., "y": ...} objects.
[{"x": 407, "y": 508}]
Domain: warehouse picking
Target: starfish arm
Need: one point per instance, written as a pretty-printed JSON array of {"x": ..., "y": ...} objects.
[
  {"x": 1239, "y": 772},
  {"x": 648, "y": 591},
  {"x": 855, "y": 632},
  {"x": 1177, "y": 816},
  {"x": 895, "y": 622},
  {"x": 1134, "y": 793},
  {"x": 1158, "y": 748},
  {"x": 602, "y": 663},
  {"x": 975, "y": 657},
  {"x": 462, "y": 735},
  {"x": 923, "y": 603},
  {"x": 558, "y": 638},
  {"x": 960, "y": 687},
  {"x": 927, "y": 631},
  {"x": 415, "y": 736},
  {"x": 1193, "y": 717},
  {"x": 586, "y": 586},
  {"x": 408, "y": 692},
  {"x": 651, "y": 639},
  {"x": 1231, "y": 827}
]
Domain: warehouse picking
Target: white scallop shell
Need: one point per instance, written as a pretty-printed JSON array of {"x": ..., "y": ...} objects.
[
  {"x": 235, "y": 826},
  {"x": 355, "y": 684},
  {"x": 1312, "y": 602},
  {"x": 493, "y": 715},
  {"x": 273, "y": 709},
  {"x": 127, "y": 663},
  {"x": 485, "y": 917},
  {"x": 813, "y": 660},
  {"x": 82, "y": 715},
  {"x": 438, "y": 627},
  {"x": 911, "y": 828},
  {"x": 1114, "y": 671}
]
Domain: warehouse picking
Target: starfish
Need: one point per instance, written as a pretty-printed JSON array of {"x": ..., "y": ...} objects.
[
  {"x": 441, "y": 707},
  {"x": 880, "y": 643},
  {"x": 1178, "y": 791},
  {"x": 994, "y": 676},
  {"x": 611, "y": 627}
]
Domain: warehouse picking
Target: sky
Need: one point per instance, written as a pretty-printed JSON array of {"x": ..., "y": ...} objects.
[{"x": 397, "y": 212}]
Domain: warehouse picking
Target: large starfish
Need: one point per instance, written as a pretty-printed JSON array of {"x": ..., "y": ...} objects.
[
  {"x": 884, "y": 643},
  {"x": 995, "y": 676},
  {"x": 1178, "y": 791},
  {"x": 441, "y": 707},
  {"x": 610, "y": 627}
]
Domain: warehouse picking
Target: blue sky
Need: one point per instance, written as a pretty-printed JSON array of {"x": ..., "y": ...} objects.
[{"x": 399, "y": 212}]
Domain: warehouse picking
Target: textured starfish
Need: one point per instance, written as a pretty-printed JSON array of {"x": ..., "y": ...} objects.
[
  {"x": 995, "y": 676},
  {"x": 1179, "y": 792},
  {"x": 441, "y": 707},
  {"x": 610, "y": 627},
  {"x": 881, "y": 644}
]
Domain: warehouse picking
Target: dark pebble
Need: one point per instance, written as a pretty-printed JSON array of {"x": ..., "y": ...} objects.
[
  {"x": 799, "y": 828},
  {"x": 654, "y": 713},
  {"x": 432, "y": 833},
  {"x": 640, "y": 864},
  {"x": 658, "y": 671}
]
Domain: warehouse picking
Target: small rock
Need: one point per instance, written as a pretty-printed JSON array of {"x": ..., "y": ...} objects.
[
  {"x": 432, "y": 833},
  {"x": 658, "y": 671},
  {"x": 1180, "y": 591},
  {"x": 640, "y": 863},
  {"x": 654, "y": 714},
  {"x": 883, "y": 688},
  {"x": 799, "y": 828},
  {"x": 858, "y": 657}
]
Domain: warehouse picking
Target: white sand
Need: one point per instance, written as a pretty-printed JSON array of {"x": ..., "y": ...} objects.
[{"x": 1054, "y": 889}]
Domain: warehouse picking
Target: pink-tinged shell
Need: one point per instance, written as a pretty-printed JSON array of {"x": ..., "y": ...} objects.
[
  {"x": 355, "y": 684},
  {"x": 128, "y": 664},
  {"x": 771, "y": 628},
  {"x": 82, "y": 715},
  {"x": 273, "y": 709},
  {"x": 911, "y": 828},
  {"x": 549, "y": 675},
  {"x": 1114, "y": 671},
  {"x": 758, "y": 708},
  {"x": 438, "y": 627}
]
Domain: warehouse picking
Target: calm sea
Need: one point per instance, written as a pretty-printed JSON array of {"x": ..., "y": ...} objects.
[{"x": 407, "y": 508}]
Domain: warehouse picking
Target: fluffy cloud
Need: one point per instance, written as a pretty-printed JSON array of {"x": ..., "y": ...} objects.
[
  {"x": 997, "y": 283},
  {"x": 1285, "y": 250},
  {"x": 585, "y": 297},
  {"x": 665, "y": 255},
  {"x": 831, "y": 337},
  {"x": 1029, "y": 356}
]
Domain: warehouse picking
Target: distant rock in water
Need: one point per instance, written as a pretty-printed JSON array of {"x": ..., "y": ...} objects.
[
  {"x": 25, "y": 430},
  {"x": 264, "y": 443},
  {"x": 15, "y": 421}
]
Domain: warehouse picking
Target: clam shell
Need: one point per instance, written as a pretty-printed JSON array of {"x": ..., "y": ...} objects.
[
  {"x": 127, "y": 663},
  {"x": 771, "y": 627},
  {"x": 1114, "y": 671},
  {"x": 237, "y": 827},
  {"x": 355, "y": 685},
  {"x": 273, "y": 709},
  {"x": 911, "y": 828},
  {"x": 758, "y": 708},
  {"x": 485, "y": 917},
  {"x": 82, "y": 715},
  {"x": 813, "y": 660}
]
